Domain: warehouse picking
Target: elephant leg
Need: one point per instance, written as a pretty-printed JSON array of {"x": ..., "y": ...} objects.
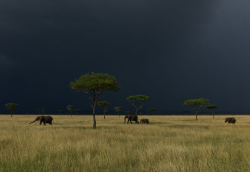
[{"x": 41, "y": 122}]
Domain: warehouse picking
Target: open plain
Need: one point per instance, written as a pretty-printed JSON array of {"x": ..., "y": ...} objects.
[{"x": 167, "y": 144}]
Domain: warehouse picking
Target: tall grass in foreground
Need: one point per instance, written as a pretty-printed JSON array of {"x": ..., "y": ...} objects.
[{"x": 168, "y": 143}]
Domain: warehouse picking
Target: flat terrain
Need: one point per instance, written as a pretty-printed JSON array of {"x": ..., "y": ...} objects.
[{"x": 167, "y": 144}]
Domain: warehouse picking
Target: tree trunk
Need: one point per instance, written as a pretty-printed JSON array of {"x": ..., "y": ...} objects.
[
  {"x": 196, "y": 113},
  {"x": 11, "y": 113},
  {"x": 104, "y": 114},
  {"x": 71, "y": 113},
  {"x": 94, "y": 121},
  {"x": 213, "y": 114},
  {"x": 119, "y": 114},
  {"x": 136, "y": 111}
]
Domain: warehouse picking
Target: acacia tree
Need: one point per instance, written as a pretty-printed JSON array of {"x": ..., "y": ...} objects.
[
  {"x": 39, "y": 110},
  {"x": 196, "y": 104},
  {"x": 128, "y": 112},
  {"x": 70, "y": 108},
  {"x": 77, "y": 110},
  {"x": 212, "y": 107},
  {"x": 141, "y": 98},
  {"x": 104, "y": 105},
  {"x": 118, "y": 109},
  {"x": 153, "y": 110},
  {"x": 60, "y": 111},
  {"x": 11, "y": 107},
  {"x": 95, "y": 84}
]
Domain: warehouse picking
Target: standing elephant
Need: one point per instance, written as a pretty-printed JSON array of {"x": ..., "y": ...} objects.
[
  {"x": 43, "y": 119},
  {"x": 145, "y": 120},
  {"x": 133, "y": 118},
  {"x": 230, "y": 120}
]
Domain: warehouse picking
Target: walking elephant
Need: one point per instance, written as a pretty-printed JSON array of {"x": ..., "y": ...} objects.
[
  {"x": 145, "y": 120},
  {"x": 43, "y": 119}
]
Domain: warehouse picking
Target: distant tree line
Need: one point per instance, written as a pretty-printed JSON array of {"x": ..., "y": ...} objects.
[{"x": 95, "y": 84}]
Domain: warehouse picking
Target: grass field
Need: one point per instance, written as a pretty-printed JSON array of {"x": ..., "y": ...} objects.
[{"x": 167, "y": 144}]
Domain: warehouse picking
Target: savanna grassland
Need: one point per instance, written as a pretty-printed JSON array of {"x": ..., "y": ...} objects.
[{"x": 167, "y": 144}]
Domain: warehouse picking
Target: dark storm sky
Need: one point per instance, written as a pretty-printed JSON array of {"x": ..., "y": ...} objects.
[{"x": 169, "y": 50}]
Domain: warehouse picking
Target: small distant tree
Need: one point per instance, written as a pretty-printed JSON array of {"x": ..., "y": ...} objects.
[
  {"x": 153, "y": 110},
  {"x": 39, "y": 110},
  {"x": 60, "y": 111},
  {"x": 70, "y": 108},
  {"x": 43, "y": 111},
  {"x": 95, "y": 84},
  {"x": 196, "y": 104},
  {"x": 11, "y": 107},
  {"x": 77, "y": 110},
  {"x": 140, "y": 98},
  {"x": 104, "y": 105},
  {"x": 212, "y": 107},
  {"x": 118, "y": 109},
  {"x": 128, "y": 112}
]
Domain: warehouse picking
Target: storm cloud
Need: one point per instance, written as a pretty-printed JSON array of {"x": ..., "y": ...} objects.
[{"x": 169, "y": 50}]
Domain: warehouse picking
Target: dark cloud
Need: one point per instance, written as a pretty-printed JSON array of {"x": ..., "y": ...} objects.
[{"x": 169, "y": 50}]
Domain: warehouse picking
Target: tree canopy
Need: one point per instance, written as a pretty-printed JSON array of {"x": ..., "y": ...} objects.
[
  {"x": 196, "y": 104},
  {"x": 138, "y": 98},
  {"x": 11, "y": 107},
  {"x": 212, "y": 107},
  {"x": 118, "y": 109},
  {"x": 70, "y": 108},
  {"x": 95, "y": 84},
  {"x": 104, "y": 105},
  {"x": 77, "y": 110},
  {"x": 153, "y": 110}
]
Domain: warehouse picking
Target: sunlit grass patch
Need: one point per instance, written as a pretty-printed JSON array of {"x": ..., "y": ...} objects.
[{"x": 168, "y": 143}]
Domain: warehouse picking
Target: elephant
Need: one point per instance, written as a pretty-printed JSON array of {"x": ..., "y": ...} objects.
[
  {"x": 126, "y": 116},
  {"x": 132, "y": 118},
  {"x": 145, "y": 120},
  {"x": 230, "y": 120},
  {"x": 43, "y": 119}
]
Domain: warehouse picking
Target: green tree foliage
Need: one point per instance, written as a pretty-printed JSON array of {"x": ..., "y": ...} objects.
[
  {"x": 212, "y": 107},
  {"x": 196, "y": 104},
  {"x": 38, "y": 110},
  {"x": 77, "y": 110},
  {"x": 95, "y": 84},
  {"x": 70, "y": 108},
  {"x": 60, "y": 111},
  {"x": 118, "y": 109},
  {"x": 140, "y": 98},
  {"x": 128, "y": 112},
  {"x": 11, "y": 107},
  {"x": 104, "y": 105},
  {"x": 153, "y": 110}
]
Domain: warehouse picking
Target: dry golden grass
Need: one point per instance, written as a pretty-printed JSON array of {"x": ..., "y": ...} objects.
[{"x": 168, "y": 143}]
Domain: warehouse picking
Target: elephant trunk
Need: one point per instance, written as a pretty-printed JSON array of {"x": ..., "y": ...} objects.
[{"x": 32, "y": 122}]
